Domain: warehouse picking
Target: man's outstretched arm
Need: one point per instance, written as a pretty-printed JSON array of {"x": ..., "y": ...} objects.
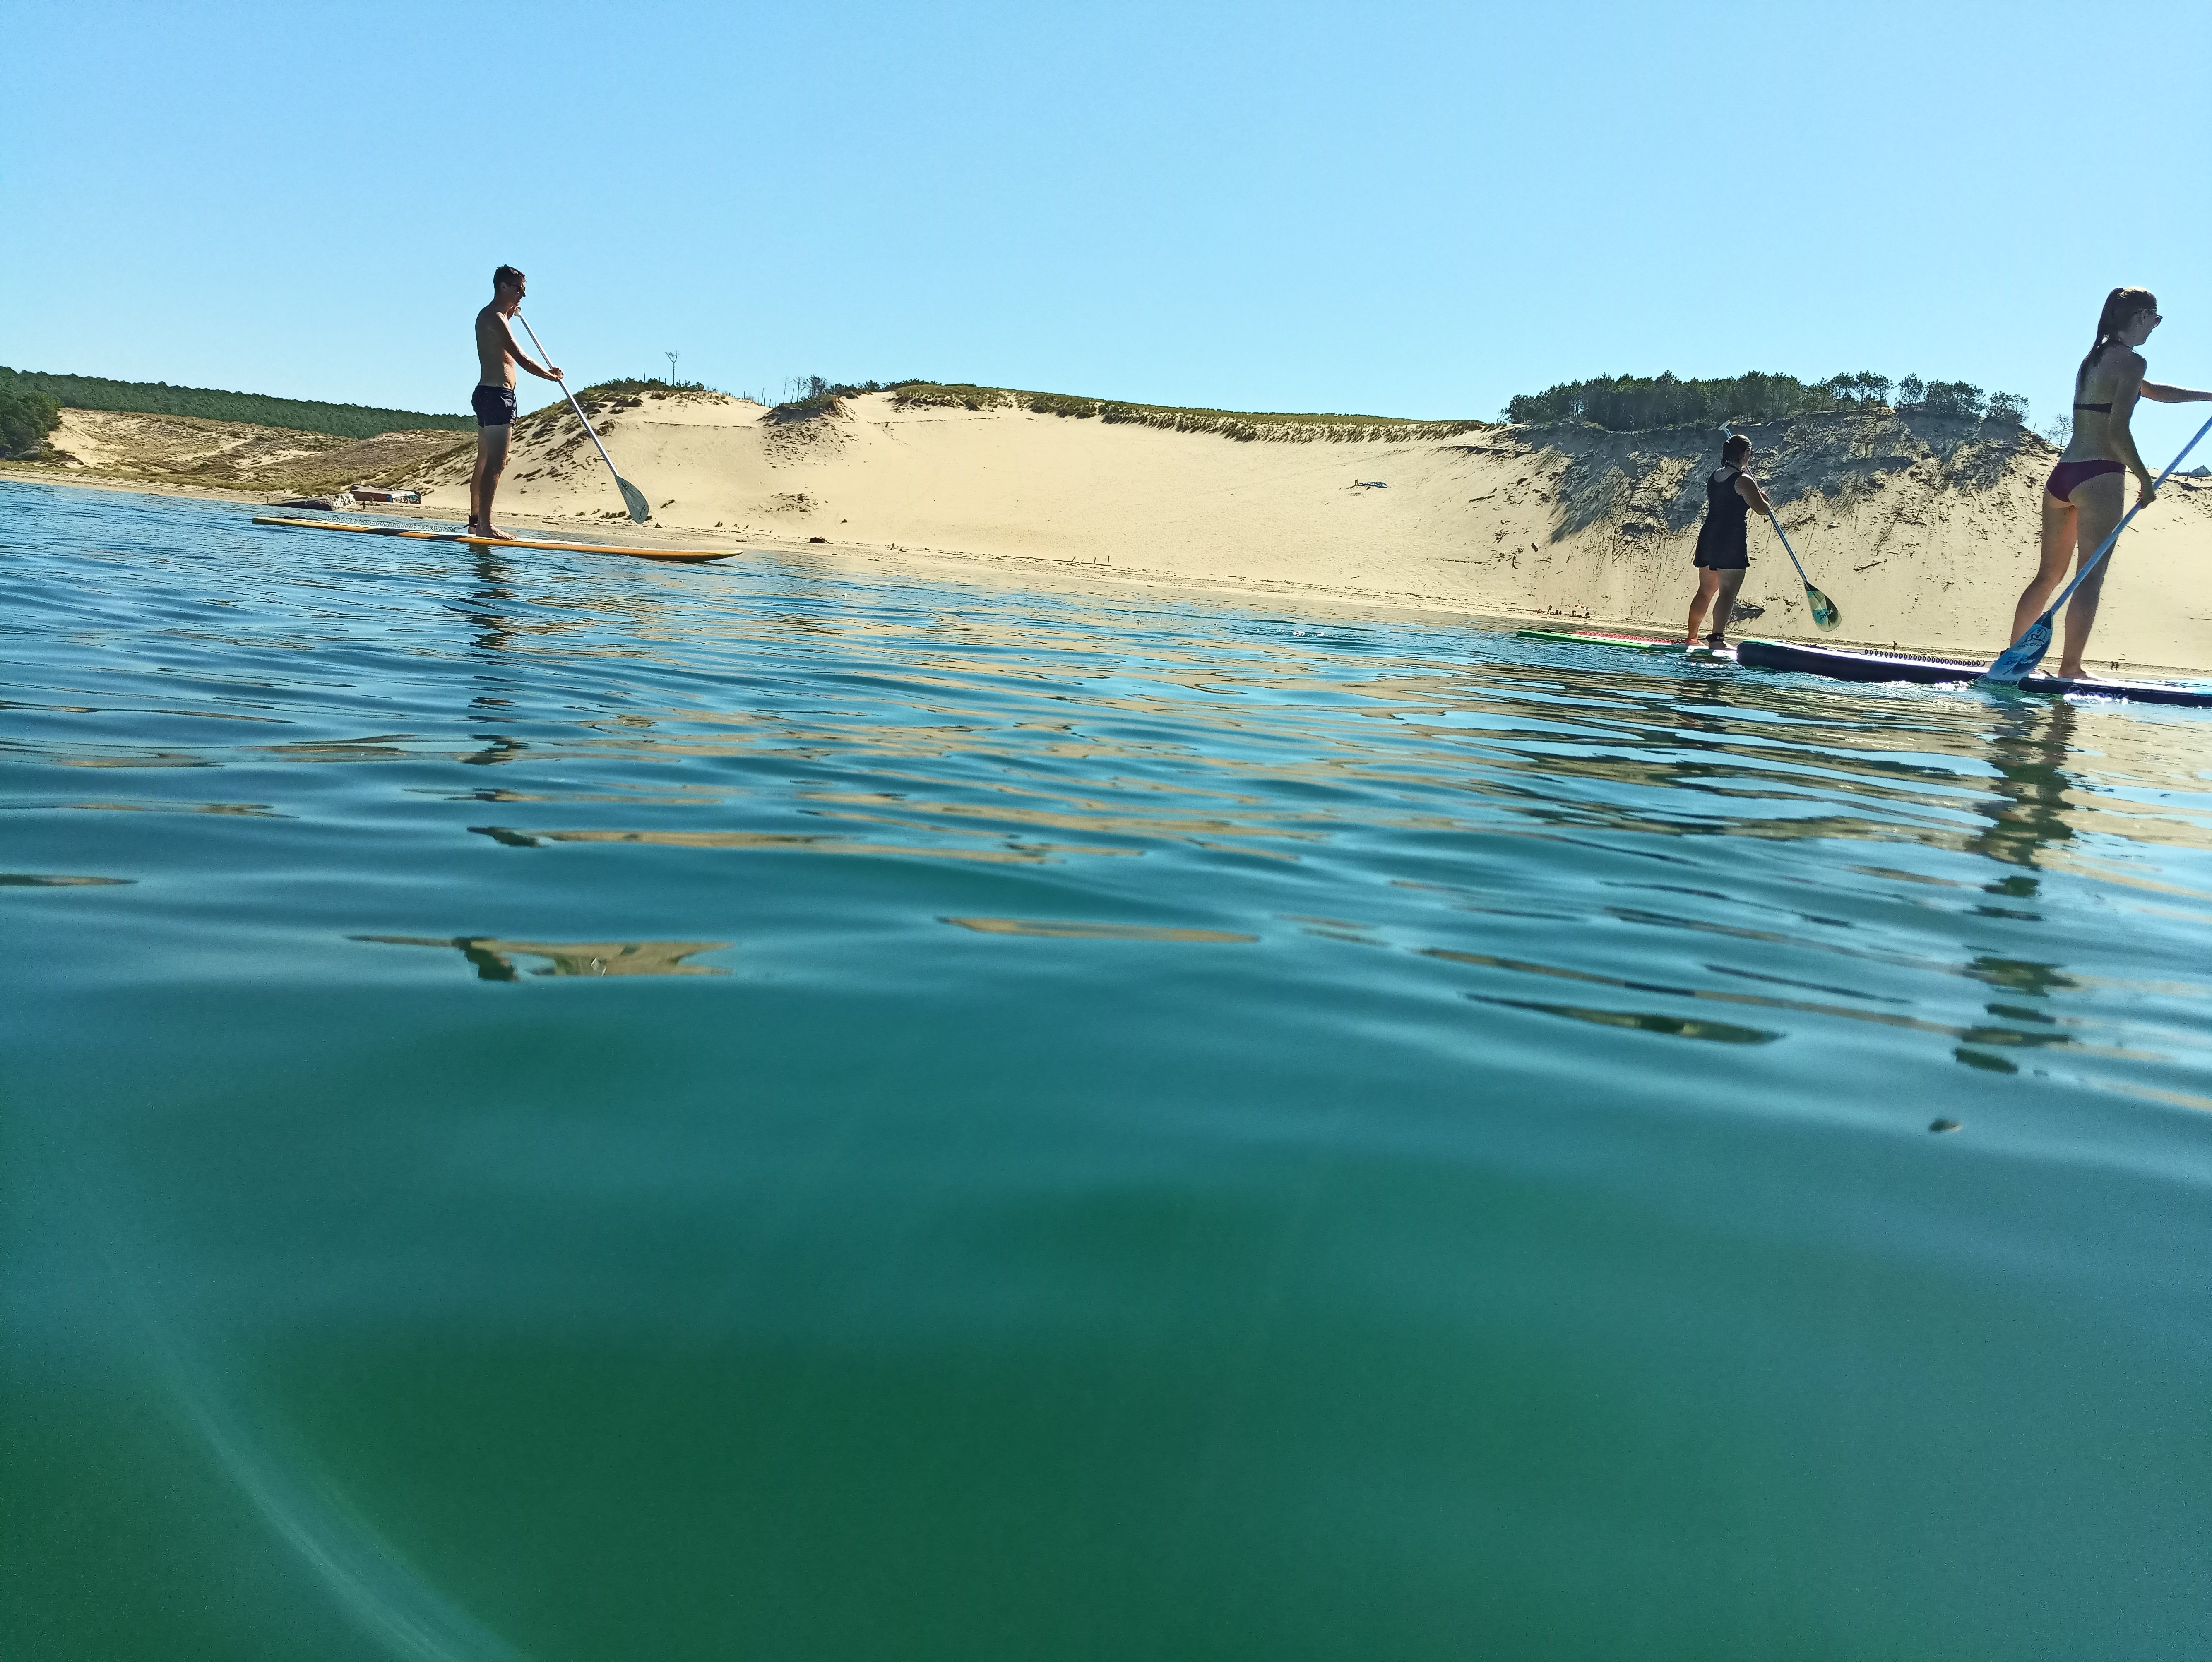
[{"x": 514, "y": 350}]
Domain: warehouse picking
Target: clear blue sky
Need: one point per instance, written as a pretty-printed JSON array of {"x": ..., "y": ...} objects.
[{"x": 1411, "y": 210}]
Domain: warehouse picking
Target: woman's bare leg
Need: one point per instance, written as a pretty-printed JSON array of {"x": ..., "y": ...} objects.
[
  {"x": 1708, "y": 582},
  {"x": 1725, "y": 591},
  {"x": 2081, "y": 617},
  {"x": 2098, "y": 504},
  {"x": 2058, "y": 537}
]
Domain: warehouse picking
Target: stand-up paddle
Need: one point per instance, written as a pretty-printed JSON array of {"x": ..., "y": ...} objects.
[
  {"x": 633, "y": 498},
  {"x": 1825, "y": 611},
  {"x": 2020, "y": 657}
]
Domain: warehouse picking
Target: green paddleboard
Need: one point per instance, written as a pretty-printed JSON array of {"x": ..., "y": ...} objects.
[{"x": 1640, "y": 643}]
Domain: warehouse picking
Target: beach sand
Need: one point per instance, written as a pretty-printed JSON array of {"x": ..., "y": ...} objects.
[{"x": 1923, "y": 530}]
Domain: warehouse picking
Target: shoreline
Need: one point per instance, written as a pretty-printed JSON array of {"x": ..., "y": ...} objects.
[
  {"x": 1094, "y": 572},
  {"x": 1069, "y": 573}
]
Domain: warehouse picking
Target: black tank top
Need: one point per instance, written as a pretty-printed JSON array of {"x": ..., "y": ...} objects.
[
  {"x": 1726, "y": 513},
  {"x": 1723, "y": 502}
]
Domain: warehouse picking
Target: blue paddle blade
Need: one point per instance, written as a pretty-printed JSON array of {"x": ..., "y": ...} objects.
[
  {"x": 1826, "y": 613},
  {"x": 2023, "y": 655}
]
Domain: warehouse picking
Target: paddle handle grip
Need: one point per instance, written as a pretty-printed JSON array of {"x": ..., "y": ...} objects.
[
  {"x": 573, "y": 405},
  {"x": 2105, "y": 547}
]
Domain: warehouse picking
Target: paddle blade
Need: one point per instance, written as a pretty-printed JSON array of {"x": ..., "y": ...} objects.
[
  {"x": 2023, "y": 655},
  {"x": 633, "y": 500},
  {"x": 1826, "y": 613}
]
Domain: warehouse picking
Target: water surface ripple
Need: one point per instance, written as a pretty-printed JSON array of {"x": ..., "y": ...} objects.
[{"x": 558, "y": 1109}]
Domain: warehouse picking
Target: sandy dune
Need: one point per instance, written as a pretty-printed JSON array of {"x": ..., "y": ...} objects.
[
  {"x": 1922, "y": 529},
  {"x": 190, "y": 449}
]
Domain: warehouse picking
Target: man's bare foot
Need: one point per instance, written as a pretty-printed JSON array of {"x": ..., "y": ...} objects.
[
  {"x": 2070, "y": 672},
  {"x": 489, "y": 533}
]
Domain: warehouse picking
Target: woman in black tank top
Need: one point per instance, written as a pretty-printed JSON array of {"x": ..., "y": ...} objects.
[{"x": 1723, "y": 547}]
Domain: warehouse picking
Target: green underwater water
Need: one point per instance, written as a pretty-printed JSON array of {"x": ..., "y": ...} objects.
[{"x": 551, "y": 1108}]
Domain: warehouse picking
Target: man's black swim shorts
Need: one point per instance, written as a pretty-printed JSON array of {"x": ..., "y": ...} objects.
[{"x": 494, "y": 406}]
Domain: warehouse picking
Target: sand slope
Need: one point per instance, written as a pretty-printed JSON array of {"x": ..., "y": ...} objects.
[
  {"x": 192, "y": 450},
  {"x": 1922, "y": 529}
]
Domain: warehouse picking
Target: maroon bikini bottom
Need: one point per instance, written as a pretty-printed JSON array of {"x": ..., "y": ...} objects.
[{"x": 2069, "y": 476}]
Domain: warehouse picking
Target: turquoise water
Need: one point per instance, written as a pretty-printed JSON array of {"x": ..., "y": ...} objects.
[{"x": 558, "y": 1109}]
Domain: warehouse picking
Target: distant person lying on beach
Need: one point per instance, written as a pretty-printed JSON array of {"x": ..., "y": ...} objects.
[
  {"x": 493, "y": 401},
  {"x": 1723, "y": 547},
  {"x": 2085, "y": 497}
]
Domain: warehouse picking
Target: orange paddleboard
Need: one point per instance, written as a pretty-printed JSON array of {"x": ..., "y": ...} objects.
[{"x": 691, "y": 555}]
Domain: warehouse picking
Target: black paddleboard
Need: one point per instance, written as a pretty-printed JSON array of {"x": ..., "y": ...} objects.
[{"x": 1837, "y": 664}]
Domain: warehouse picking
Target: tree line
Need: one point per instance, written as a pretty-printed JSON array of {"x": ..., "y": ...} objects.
[
  {"x": 1628, "y": 404},
  {"x": 27, "y": 416}
]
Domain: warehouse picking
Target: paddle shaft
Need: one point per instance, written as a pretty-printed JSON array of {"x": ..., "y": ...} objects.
[
  {"x": 2105, "y": 547},
  {"x": 573, "y": 405},
  {"x": 1787, "y": 550}
]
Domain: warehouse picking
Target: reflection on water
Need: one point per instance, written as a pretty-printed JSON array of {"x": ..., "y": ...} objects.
[
  {"x": 1199, "y": 1160},
  {"x": 493, "y": 960},
  {"x": 255, "y": 809},
  {"x": 763, "y": 842},
  {"x": 2028, "y": 747},
  {"x": 1084, "y": 931}
]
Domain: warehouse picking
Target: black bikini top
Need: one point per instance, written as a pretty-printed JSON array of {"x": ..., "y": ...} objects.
[{"x": 2102, "y": 408}]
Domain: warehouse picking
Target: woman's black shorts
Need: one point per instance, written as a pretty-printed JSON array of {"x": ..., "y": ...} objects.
[{"x": 1719, "y": 551}]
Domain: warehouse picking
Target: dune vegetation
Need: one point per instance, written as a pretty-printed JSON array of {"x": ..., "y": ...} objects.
[
  {"x": 825, "y": 398},
  {"x": 1635, "y": 404},
  {"x": 27, "y": 416}
]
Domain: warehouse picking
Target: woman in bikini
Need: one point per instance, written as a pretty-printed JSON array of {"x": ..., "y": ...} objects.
[
  {"x": 2085, "y": 495},
  {"x": 1724, "y": 549}
]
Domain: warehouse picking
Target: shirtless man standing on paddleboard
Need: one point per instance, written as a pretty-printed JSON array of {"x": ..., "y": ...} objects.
[{"x": 496, "y": 357}]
